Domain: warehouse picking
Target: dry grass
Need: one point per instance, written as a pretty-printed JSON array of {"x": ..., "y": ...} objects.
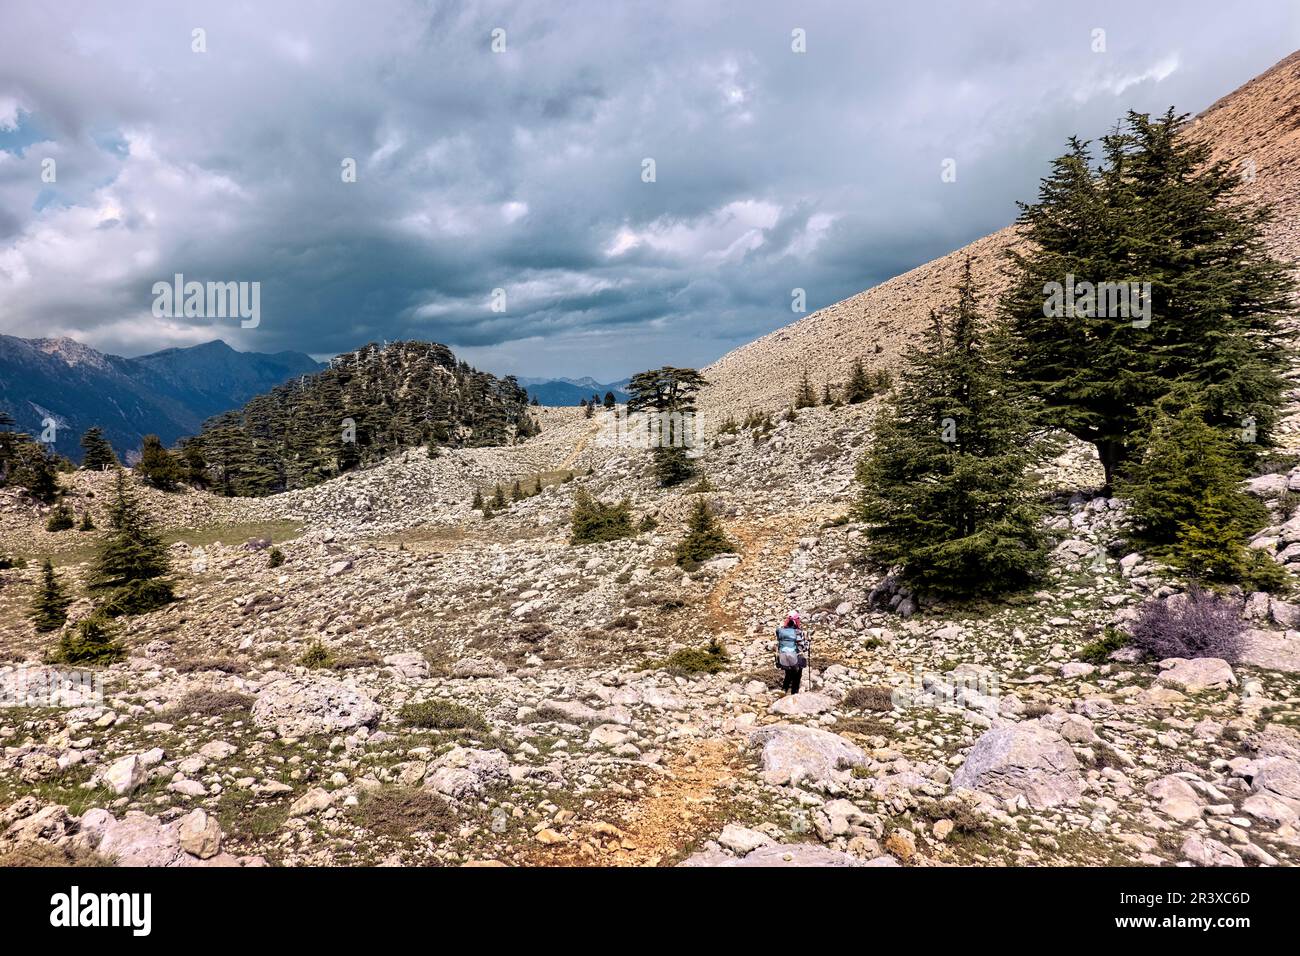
[
  {"x": 49, "y": 855},
  {"x": 397, "y": 812},
  {"x": 210, "y": 703},
  {"x": 877, "y": 698}
]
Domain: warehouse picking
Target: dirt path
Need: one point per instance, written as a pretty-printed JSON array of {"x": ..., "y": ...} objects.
[
  {"x": 765, "y": 546},
  {"x": 678, "y": 809},
  {"x": 579, "y": 448}
]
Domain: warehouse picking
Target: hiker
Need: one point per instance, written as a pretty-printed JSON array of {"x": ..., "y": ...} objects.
[{"x": 792, "y": 647}]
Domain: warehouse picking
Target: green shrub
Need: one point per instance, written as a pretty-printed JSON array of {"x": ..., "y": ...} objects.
[
  {"x": 1098, "y": 651},
  {"x": 704, "y": 538},
  {"x": 275, "y": 558},
  {"x": 672, "y": 466},
  {"x": 594, "y": 521},
  {"x": 710, "y": 659},
  {"x": 61, "y": 518},
  {"x": 316, "y": 655},
  {"x": 441, "y": 715},
  {"x": 92, "y": 641}
]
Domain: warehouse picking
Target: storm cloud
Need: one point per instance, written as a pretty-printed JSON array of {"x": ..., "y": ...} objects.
[{"x": 522, "y": 169}]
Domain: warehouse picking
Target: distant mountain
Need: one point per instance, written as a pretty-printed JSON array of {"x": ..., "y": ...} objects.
[
  {"x": 168, "y": 393},
  {"x": 571, "y": 391}
]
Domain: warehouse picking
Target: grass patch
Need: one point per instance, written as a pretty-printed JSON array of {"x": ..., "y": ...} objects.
[
  {"x": 878, "y": 698},
  {"x": 397, "y": 812},
  {"x": 47, "y": 855},
  {"x": 441, "y": 715},
  {"x": 212, "y": 703}
]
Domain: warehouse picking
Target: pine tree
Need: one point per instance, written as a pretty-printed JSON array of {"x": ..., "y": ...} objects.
[
  {"x": 50, "y": 604},
  {"x": 132, "y": 562},
  {"x": 704, "y": 537},
  {"x": 670, "y": 394},
  {"x": 610, "y": 401},
  {"x": 827, "y": 397},
  {"x": 477, "y": 502},
  {"x": 858, "y": 389},
  {"x": 33, "y": 471},
  {"x": 499, "y": 499},
  {"x": 517, "y": 492},
  {"x": 1188, "y": 505},
  {"x": 805, "y": 396},
  {"x": 98, "y": 453},
  {"x": 61, "y": 518},
  {"x": 594, "y": 521},
  {"x": 92, "y": 641},
  {"x": 1156, "y": 211},
  {"x": 945, "y": 490},
  {"x": 86, "y": 523}
]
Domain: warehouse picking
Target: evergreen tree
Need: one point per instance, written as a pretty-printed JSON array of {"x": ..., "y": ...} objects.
[
  {"x": 704, "y": 537},
  {"x": 499, "y": 499},
  {"x": 86, "y": 523},
  {"x": 858, "y": 388},
  {"x": 672, "y": 466},
  {"x": 517, "y": 492},
  {"x": 945, "y": 490},
  {"x": 33, "y": 471},
  {"x": 9, "y": 442},
  {"x": 805, "y": 396},
  {"x": 92, "y": 641},
  {"x": 98, "y": 453},
  {"x": 132, "y": 562},
  {"x": 477, "y": 503},
  {"x": 669, "y": 394},
  {"x": 594, "y": 521},
  {"x": 588, "y": 409},
  {"x": 610, "y": 401},
  {"x": 157, "y": 466},
  {"x": 50, "y": 603},
  {"x": 1157, "y": 211},
  {"x": 827, "y": 397},
  {"x": 1188, "y": 505},
  {"x": 61, "y": 518}
]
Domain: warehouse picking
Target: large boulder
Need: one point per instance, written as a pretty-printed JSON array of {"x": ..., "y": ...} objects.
[
  {"x": 576, "y": 712},
  {"x": 304, "y": 707},
  {"x": 141, "y": 840},
  {"x": 1196, "y": 674},
  {"x": 792, "y": 753},
  {"x": 1176, "y": 798},
  {"x": 805, "y": 705},
  {"x": 1025, "y": 759},
  {"x": 467, "y": 772}
]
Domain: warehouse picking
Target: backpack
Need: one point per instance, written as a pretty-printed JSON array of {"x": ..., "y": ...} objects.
[{"x": 787, "y": 648}]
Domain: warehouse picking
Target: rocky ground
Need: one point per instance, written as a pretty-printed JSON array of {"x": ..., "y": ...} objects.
[{"x": 490, "y": 694}]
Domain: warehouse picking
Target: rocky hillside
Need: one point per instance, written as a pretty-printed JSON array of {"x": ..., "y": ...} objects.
[
  {"x": 1256, "y": 122},
  {"x": 488, "y": 693}
]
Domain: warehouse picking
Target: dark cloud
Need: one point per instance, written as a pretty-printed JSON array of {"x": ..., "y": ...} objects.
[{"x": 522, "y": 170}]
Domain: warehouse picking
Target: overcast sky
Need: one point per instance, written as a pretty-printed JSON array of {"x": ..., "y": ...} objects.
[{"x": 522, "y": 170}]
